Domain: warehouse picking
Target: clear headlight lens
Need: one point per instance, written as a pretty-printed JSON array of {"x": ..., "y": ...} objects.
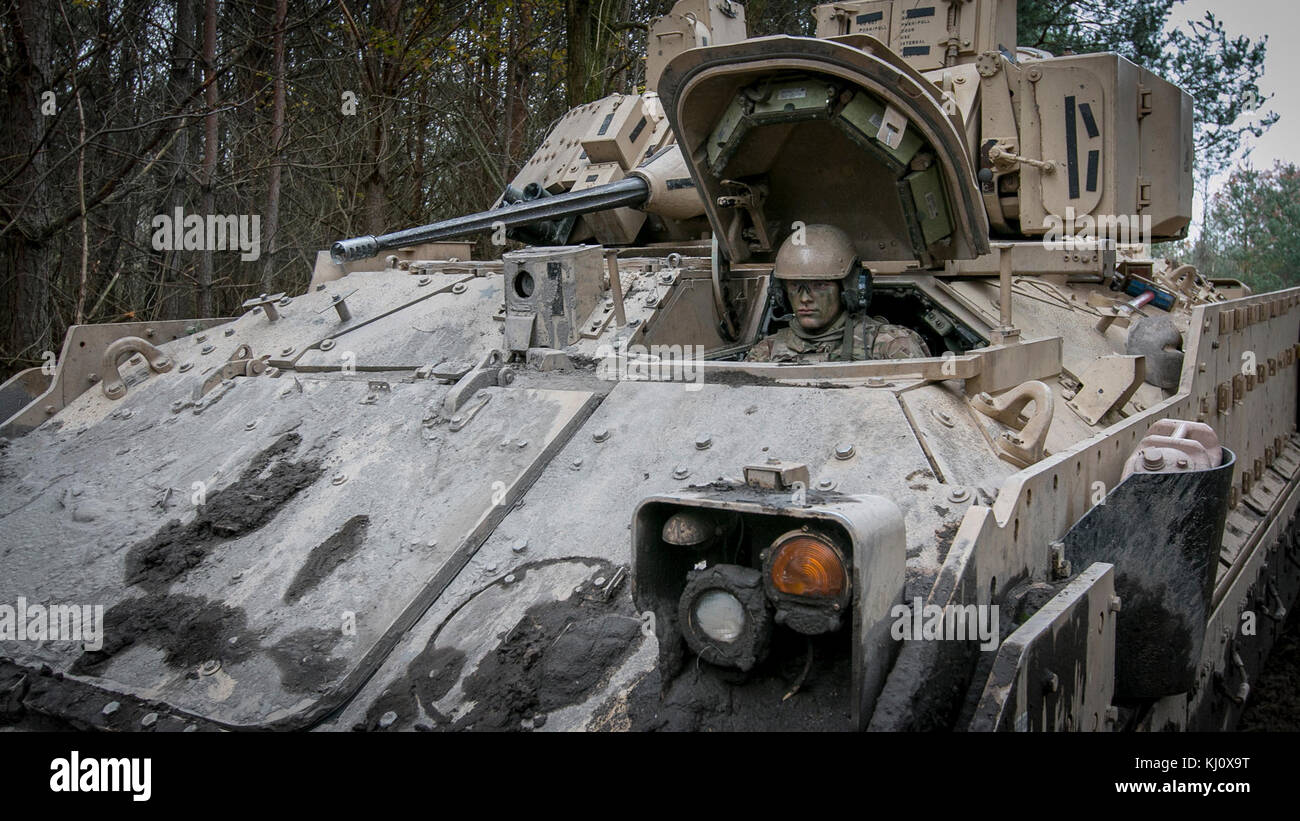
[{"x": 719, "y": 615}]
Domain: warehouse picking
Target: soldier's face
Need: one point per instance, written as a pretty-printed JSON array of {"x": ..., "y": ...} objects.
[{"x": 815, "y": 302}]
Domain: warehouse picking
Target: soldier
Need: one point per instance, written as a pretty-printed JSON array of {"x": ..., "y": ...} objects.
[{"x": 820, "y": 279}]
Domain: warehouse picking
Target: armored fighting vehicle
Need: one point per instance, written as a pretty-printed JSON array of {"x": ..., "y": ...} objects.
[{"x": 555, "y": 491}]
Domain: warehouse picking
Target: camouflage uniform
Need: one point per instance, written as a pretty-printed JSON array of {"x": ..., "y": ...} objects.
[{"x": 875, "y": 339}]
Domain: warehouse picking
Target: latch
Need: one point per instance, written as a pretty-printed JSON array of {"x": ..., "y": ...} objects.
[
  {"x": 750, "y": 198},
  {"x": 1144, "y": 101}
]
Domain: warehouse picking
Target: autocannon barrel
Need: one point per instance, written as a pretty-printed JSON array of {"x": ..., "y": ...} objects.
[{"x": 630, "y": 191}]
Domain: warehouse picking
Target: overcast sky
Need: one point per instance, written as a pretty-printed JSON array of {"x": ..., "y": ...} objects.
[{"x": 1280, "y": 20}]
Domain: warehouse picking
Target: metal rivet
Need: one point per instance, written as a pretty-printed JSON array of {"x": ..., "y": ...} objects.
[
  {"x": 286, "y": 301},
  {"x": 200, "y": 339},
  {"x": 509, "y": 579},
  {"x": 957, "y": 495},
  {"x": 209, "y": 667},
  {"x": 422, "y": 281},
  {"x": 229, "y": 332},
  {"x": 387, "y": 720},
  {"x": 207, "y": 349},
  {"x": 680, "y": 472},
  {"x": 459, "y": 288},
  {"x": 251, "y": 425},
  {"x": 521, "y": 444},
  {"x": 111, "y": 707},
  {"x": 339, "y": 478},
  {"x": 844, "y": 450},
  {"x": 149, "y": 720},
  {"x": 519, "y": 546},
  {"x": 287, "y": 351},
  {"x": 826, "y": 484},
  {"x": 600, "y": 581},
  {"x": 185, "y": 366},
  {"x": 600, "y": 435},
  {"x": 576, "y": 463},
  {"x": 327, "y": 344},
  {"x": 703, "y": 441}
]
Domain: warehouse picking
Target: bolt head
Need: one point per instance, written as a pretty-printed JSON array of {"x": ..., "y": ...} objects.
[
  {"x": 600, "y": 435},
  {"x": 844, "y": 450},
  {"x": 703, "y": 441}
]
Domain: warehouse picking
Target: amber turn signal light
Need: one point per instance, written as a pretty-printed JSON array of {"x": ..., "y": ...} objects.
[{"x": 805, "y": 565}]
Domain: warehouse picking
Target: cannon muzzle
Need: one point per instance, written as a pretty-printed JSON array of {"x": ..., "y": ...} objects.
[{"x": 631, "y": 191}]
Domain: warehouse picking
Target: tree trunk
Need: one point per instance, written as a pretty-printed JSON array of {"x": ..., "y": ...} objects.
[
  {"x": 25, "y": 248},
  {"x": 204, "y": 306},
  {"x": 277, "y": 138},
  {"x": 518, "y": 75},
  {"x": 174, "y": 302},
  {"x": 577, "y": 28}
]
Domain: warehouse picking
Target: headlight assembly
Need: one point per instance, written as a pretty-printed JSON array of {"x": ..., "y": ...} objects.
[{"x": 725, "y": 616}]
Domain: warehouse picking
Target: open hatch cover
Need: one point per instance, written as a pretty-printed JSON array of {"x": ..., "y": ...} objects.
[{"x": 779, "y": 130}]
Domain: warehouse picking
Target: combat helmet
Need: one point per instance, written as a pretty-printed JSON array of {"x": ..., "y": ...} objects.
[{"x": 818, "y": 252}]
